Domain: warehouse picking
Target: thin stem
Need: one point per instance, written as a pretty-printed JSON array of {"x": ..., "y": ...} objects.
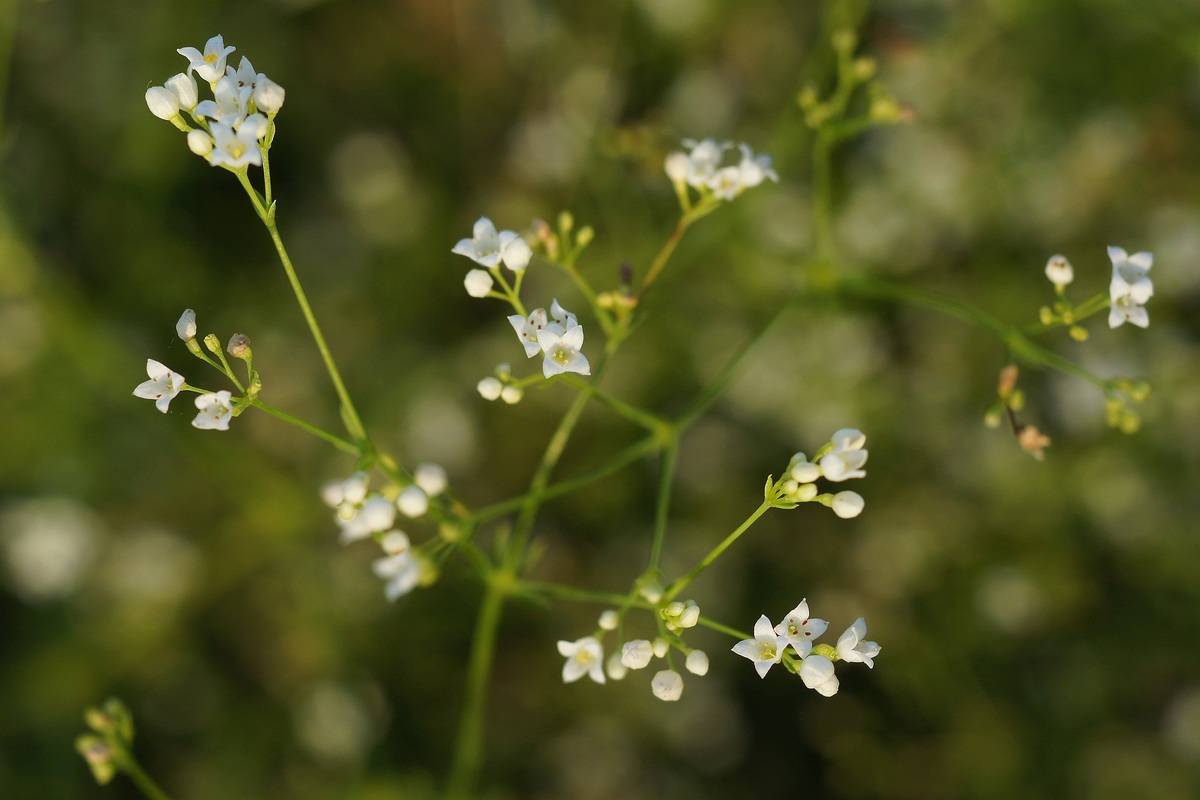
[
  {"x": 635, "y": 415},
  {"x": 8, "y": 33},
  {"x": 662, "y": 509},
  {"x": 144, "y": 782},
  {"x": 349, "y": 414},
  {"x": 341, "y": 444},
  {"x": 681, "y": 584},
  {"x": 468, "y": 749},
  {"x": 665, "y": 253},
  {"x": 578, "y": 594},
  {"x": 822, "y": 188}
]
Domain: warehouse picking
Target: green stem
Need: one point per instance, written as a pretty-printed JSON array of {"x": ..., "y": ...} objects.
[
  {"x": 635, "y": 415},
  {"x": 144, "y": 782},
  {"x": 8, "y": 33},
  {"x": 341, "y": 444},
  {"x": 468, "y": 749},
  {"x": 662, "y": 509},
  {"x": 822, "y": 188},
  {"x": 681, "y": 584},
  {"x": 664, "y": 254},
  {"x": 579, "y": 595}
]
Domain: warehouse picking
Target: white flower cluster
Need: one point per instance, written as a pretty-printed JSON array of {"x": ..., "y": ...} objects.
[
  {"x": 559, "y": 337},
  {"x": 586, "y": 656},
  {"x": 1130, "y": 287},
  {"x": 232, "y": 125},
  {"x": 842, "y": 459},
  {"x": 770, "y": 642},
  {"x": 364, "y": 513},
  {"x": 215, "y": 408},
  {"x": 489, "y": 249},
  {"x": 701, "y": 168}
]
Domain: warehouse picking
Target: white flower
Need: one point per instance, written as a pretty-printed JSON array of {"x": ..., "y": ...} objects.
[
  {"x": 608, "y": 620},
  {"x": 704, "y": 157},
  {"x": 377, "y": 513},
  {"x": 186, "y": 326},
  {"x": 431, "y": 478},
  {"x": 1059, "y": 270},
  {"x": 847, "y": 505},
  {"x": 228, "y": 105},
  {"x": 676, "y": 166},
  {"x": 256, "y": 124},
  {"x": 846, "y": 459},
  {"x": 413, "y": 502},
  {"x": 209, "y": 65},
  {"x": 162, "y": 102},
  {"x": 489, "y": 388},
  {"x": 765, "y": 649},
  {"x": 183, "y": 86},
  {"x": 584, "y": 657},
  {"x": 637, "y": 653},
  {"x": 1130, "y": 288},
  {"x": 162, "y": 386},
  {"x": 697, "y": 662},
  {"x": 216, "y": 409},
  {"x": 667, "y": 685},
  {"x": 488, "y": 248},
  {"x": 562, "y": 352},
  {"x": 234, "y": 149},
  {"x": 565, "y": 319},
  {"x": 725, "y": 183},
  {"x": 753, "y": 169},
  {"x": 817, "y": 673},
  {"x": 400, "y": 568},
  {"x": 244, "y": 77},
  {"x": 528, "y": 329},
  {"x": 478, "y": 282},
  {"x": 798, "y": 630},
  {"x": 268, "y": 95},
  {"x": 360, "y": 518},
  {"x": 851, "y": 647},
  {"x": 199, "y": 142}
]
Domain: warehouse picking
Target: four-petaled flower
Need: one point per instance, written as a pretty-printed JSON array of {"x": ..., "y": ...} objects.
[
  {"x": 846, "y": 459},
  {"x": 798, "y": 630},
  {"x": 765, "y": 649},
  {"x": 209, "y": 65},
  {"x": 1130, "y": 287},
  {"x": 488, "y": 248},
  {"x": 851, "y": 647},
  {"x": 162, "y": 386},
  {"x": 584, "y": 657},
  {"x": 563, "y": 352},
  {"x": 216, "y": 409},
  {"x": 235, "y": 148}
]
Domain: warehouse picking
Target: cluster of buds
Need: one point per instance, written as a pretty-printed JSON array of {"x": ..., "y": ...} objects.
[
  {"x": 798, "y": 631},
  {"x": 841, "y": 459},
  {"x": 362, "y": 513},
  {"x": 703, "y": 168},
  {"x": 236, "y": 126},
  {"x": 586, "y": 656},
  {"x": 500, "y": 385},
  {"x": 107, "y": 748},
  {"x": 215, "y": 409}
]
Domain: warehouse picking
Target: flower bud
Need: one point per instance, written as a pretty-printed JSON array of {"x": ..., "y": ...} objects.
[
  {"x": 636, "y": 654},
  {"x": 511, "y": 395},
  {"x": 478, "y": 282},
  {"x": 614, "y": 668},
  {"x": 199, "y": 143},
  {"x": 608, "y": 620},
  {"x": 186, "y": 327},
  {"x": 183, "y": 86},
  {"x": 268, "y": 95},
  {"x": 239, "y": 346},
  {"x": 847, "y": 505},
  {"x": 667, "y": 685},
  {"x": 431, "y": 478},
  {"x": 413, "y": 502},
  {"x": 162, "y": 103},
  {"x": 489, "y": 388},
  {"x": 676, "y": 166},
  {"x": 697, "y": 662}
]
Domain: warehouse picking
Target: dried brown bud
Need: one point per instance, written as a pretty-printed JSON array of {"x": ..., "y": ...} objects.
[
  {"x": 239, "y": 345},
  {"x": 1033, "y": 441}
]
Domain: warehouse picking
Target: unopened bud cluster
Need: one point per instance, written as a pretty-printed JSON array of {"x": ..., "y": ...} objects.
[{"x": 842, "y": 459}]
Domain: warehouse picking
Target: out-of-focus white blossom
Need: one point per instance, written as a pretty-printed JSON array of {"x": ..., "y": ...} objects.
[
  {"x": 846, "y": 459},
  {"x": 1059, "y": 270},
  {"x": 1130, "y": 287},
  {"x": 667, "y": 685},
  {"x": 584, "y": 657}
]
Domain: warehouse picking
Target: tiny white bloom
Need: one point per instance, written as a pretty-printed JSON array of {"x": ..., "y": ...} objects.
[
  {"x": 488, "y": 248},
  {"x": 511, "y": 395},
  {"x": 584, "y": 657},
  {"x": 528, "y": 328},
  {"x": 637, "y": 653},
  {"x": 413, "y": 502},
  {"x": 514, "y": 251},
  {"x": 400, "y": 568},
  {"x": 1059, "y": 270},
  {"x": 754, "y": 169},
  {"x": 848, "y": 505},
  {"x": 563, "y": 352},
  {"x": 162, "y": 386},
  {"x": 209, "y": 65},
  {"x": 268, "y": 95},
  {"x": 234, "y": 149},
  {"x": 725, "y": 183},
  {"x": 667, "y": 685},
  {"x": 216, "y": 409},
  {"x": 245, "y": 77},
  {"x": 560, "y": 315},
  {"x": 1130, "y": 287},
  {"x": 228, "y": 105},
  {"x": 183, "y": 86},
  {"x": 697, "y": 662},
  {"x": 478, "y": 282},
  {"x": 614, "y": 668},
  {"x": 704, "y": 157},
  {"x": 851, "y": 647},
  {"x": 162, "y": 102},
  {"x": 846, "y": 459},
  {"x": 608, "y": 620},
  {"x": 377, "y": 513},
  {"x": 799, "y": 630},
  {"x": 765, "y": 649},
  {"x": 186, "y": 326},
  {"x": 354, "y": 488},
  {"x": 431, "y": 478},
  {"x": 817, "y": 673},
  {"x": 489, "y": 388}
]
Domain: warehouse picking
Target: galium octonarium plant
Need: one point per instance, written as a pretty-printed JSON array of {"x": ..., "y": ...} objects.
[{"x": 422, "y": 526}]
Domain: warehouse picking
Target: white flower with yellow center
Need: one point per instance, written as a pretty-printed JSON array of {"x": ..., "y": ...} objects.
[
  {"x": 765, "y": 649},
  {"x": 209, "y": 65},
  {"x": 584, "y": 657},
  {"x": 799, "y": 630}
]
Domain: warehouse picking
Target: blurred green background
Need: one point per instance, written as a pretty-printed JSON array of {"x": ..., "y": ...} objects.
[{"x": 1040, "y": 622}]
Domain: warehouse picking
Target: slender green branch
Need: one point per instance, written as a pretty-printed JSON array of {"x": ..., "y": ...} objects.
[
  {"x": 822, "y": 189},
  {"x": 144, "y": 782},
  {"x": 681, "y": 584},
  {"x": 468, "y": 749},
  {"x": 341, "y": 444},
  {"x": 663, "y": 507},
  {"x": 716, "y": 626},
  {"x": 580, "y": 595},
  {"x": 635, "y": 415},
  {"x": 665, "y": 253}
]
